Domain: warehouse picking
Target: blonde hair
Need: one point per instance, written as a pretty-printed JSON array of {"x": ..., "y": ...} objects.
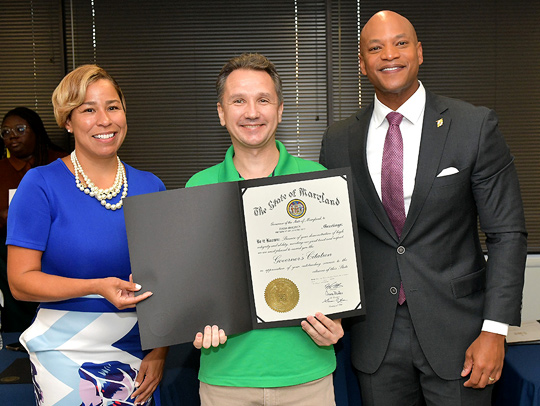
[{"x": 71, "y": 91}]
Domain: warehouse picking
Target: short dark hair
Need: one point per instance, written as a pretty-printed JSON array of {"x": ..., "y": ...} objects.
[{"x": 251, "y": 62}]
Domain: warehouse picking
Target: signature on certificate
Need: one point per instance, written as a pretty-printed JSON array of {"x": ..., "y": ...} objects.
[{"x": 334, "y": 293}]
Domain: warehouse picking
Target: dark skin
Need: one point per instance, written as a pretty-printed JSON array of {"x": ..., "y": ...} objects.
[
  {"x": 20, "y": 146},
  {"x": 390, "y": 57}
]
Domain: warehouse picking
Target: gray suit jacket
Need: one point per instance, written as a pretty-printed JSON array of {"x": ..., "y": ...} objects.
[{"x": 449, "y": 286}]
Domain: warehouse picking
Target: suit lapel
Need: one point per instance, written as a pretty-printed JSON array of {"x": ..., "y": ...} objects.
[
  {"x": 434, "y": 132},
  {"x": 358, "y": 160}
]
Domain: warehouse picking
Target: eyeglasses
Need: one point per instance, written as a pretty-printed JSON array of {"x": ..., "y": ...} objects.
[{"x": 8, "y": 132}]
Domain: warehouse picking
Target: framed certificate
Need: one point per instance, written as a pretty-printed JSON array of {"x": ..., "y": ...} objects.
[
  {"x": 244, "y": 255},
  {"x": 302, "y": 247}
]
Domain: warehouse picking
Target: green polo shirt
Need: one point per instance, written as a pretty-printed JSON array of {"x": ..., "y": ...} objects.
[{"x": 272, "y": 357}]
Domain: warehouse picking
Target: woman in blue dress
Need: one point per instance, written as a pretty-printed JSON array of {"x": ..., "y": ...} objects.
[{"x": 67, "y": 249}]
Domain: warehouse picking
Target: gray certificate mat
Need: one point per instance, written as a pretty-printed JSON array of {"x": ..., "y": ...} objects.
[{"x": 186, "y": 246}]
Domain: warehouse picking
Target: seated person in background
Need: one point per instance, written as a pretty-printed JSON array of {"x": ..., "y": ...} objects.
[
  {"x": 28, "y": 144},
  {"x": 287, "y": 365}
]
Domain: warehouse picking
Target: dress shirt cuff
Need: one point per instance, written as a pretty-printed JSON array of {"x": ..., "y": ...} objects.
[{"x": 495, "y": 327}]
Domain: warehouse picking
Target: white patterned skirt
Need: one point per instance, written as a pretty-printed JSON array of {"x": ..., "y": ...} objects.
[{"x": 83, "y": 358}]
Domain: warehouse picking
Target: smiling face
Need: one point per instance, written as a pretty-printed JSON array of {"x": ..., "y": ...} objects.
[
  {"x": 390, "y": 56},
  {"x": 250, "y": 109},
  {"x": 99, "y": 123},
  {"x": 22, "y": 144}
]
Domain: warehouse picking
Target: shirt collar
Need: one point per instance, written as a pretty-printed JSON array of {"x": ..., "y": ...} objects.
[
  {"x": 412, "y": 109},
  {"x": 19, "y": 164},
  {"x": 231, "y": 174}
]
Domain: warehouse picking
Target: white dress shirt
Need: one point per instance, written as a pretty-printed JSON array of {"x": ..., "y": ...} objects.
[{"x": 411, "y": 131}]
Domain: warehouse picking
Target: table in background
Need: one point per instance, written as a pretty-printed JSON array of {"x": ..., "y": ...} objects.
[{"x": 520, "y": 381}]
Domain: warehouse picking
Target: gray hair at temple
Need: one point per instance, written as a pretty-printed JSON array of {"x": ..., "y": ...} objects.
[{"x": 251, "y": 62}]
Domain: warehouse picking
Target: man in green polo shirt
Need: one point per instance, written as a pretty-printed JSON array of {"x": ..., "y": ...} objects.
[{"x": 276, "y": 366}]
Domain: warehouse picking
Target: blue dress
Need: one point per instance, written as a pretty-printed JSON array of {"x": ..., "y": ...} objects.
[{"x": 84, "y": 351}]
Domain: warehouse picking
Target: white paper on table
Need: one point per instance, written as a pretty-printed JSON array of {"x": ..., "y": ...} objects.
[
  {"x": 528, "y": 332},
  {"x": 11, "y": 194}
]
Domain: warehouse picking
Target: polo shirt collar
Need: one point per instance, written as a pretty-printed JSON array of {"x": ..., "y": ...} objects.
[{"x": 230, "y": 173}]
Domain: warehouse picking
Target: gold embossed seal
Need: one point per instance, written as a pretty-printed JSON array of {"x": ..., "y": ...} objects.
[{"x": 281, "y": 295}]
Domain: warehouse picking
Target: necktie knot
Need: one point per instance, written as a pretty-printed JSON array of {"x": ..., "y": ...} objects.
[{"x": 394, "y": 118}]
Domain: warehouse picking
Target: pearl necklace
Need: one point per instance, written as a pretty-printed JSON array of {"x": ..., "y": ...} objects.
[{"x": 102, "y": 195}]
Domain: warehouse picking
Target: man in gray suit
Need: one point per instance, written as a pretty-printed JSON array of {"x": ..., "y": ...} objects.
[{"x": 437, "y": 312}]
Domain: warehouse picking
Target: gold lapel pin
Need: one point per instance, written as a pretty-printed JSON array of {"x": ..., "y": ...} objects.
[{"x": 439, "y": 122}]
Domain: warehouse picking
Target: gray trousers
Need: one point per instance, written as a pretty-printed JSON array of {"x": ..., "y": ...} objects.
[{"x": 405, "y": 377}]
